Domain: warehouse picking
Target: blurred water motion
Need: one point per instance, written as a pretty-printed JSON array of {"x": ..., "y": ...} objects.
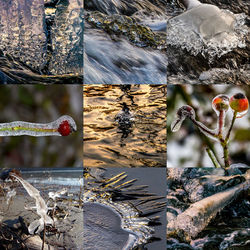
[
  {"x": 110, "y": 143},
  {"x": 119, "y": 46}
]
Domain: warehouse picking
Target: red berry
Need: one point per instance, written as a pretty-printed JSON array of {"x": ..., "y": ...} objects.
[
  {"x": 64, "y": 128},
  {"x": 239, "y": 102}
]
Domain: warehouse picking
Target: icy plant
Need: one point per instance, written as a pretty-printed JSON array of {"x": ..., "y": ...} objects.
[
  {"x": 54, "y": 195},
  {"x": 63, "y": 126},
  {"x": 238, "y": 103},
  {"x": 11, "y": 193},
  {"x": 41, "y": 207}
]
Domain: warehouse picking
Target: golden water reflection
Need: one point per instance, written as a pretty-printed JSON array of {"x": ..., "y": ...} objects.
[{"x": 139, "y": 144}]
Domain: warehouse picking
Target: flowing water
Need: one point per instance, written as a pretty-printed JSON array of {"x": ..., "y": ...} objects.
[
  {"x": 119, "y": 46},
  {"x": 114, "y": 139}
]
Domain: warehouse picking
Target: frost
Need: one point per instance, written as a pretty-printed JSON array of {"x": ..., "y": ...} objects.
[
  {"x": 41, "y": 207},
  {"x": 54, "y": 128},
  {"x": 10, "y": 194},
  {"x": 54, "y": 195}
]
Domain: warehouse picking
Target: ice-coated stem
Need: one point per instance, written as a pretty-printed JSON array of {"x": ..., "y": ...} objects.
[
  {"x": 213, "y": 159},
  {"x": 205, "y": 130},
  {"x": 221, "y": 121},
  {"x": 41, "y": 207},
  {"x": 63, "y": 126},
  {"x": 231, "y": 126}
]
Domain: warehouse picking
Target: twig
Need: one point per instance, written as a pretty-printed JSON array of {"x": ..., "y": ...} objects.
[{"x": 212, "y": 157}]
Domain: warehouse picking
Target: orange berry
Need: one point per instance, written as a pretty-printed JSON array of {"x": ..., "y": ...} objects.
[
  {"x": 239, "y": 103},
  {"x": 220, "y": 103}
]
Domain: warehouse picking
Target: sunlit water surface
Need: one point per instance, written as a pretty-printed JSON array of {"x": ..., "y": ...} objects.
[{"x": 139, "y": 143}]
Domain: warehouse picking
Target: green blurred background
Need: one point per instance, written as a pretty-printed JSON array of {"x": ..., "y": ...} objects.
[{"x": 41, "y": 104}]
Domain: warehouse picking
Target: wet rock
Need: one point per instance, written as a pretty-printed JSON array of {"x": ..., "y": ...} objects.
[
  {"x": 35, "y": 243},
  {"x": 140, "y": 35},
  {"x": 237, "y": 6},
  {"x": 126, "y": 7}
]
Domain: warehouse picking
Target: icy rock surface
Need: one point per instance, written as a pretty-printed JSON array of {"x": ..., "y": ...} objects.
[
  {"x": 67, "y": 38},
  {"x": 23, "y": 31}
]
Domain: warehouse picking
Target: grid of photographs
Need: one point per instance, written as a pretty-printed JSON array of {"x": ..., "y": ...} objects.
[{"x": 124, "y": 124}]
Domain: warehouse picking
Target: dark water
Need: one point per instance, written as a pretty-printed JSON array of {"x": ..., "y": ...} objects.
[
  {"x": 97, "y": 216},
  {"x": 141, "y": 142},
  {"x": 107, "y": 224}
]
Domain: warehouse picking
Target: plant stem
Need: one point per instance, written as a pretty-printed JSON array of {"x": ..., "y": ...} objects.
[
  {"x": 221, "y": 119},
  {"x": 44, "y": 236},
  {"x": 212, "y": 157},
  {"x": 225, "y": 152},
  {"x": 231, "y": 126},
  {"x": 204, "y": 129}
]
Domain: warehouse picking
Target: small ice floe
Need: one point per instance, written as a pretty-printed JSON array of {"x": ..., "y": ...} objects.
[
  {"x": 54, "y": 195},
  {"x": 206, "y": 29}
]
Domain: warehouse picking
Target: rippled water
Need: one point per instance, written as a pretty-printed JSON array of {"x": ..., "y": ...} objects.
[{"x": 140, "y": 143}]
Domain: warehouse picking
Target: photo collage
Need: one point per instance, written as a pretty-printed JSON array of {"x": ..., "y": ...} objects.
[{"x": 124, "y": 125}]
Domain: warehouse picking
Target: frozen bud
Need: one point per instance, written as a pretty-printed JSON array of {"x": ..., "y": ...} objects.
[
  {"x": 182, "y": 113},
  {"x": 220, "y": 103},
  {"x": 186, "y": 111},
  {"x": 239, "y": 103}
]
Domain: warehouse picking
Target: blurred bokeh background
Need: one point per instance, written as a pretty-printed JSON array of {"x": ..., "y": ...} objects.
[
  {"x": 186, "y": 147},
  {"x": 41, "y": 104}
]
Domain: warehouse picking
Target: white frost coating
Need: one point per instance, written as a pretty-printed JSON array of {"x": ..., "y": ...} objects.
[
  {"x": 41, "y": 207},
  {"x": 54, "y": 195},
  {"x": 208, "y": 30},
  {"x": 18, "y": 128},
  {"x": 10, "y": 194}
]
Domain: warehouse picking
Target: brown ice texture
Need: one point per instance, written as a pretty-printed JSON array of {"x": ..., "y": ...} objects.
[
  {"x": 23, "y": 31},
  {"x": 67, "y": 38}
]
